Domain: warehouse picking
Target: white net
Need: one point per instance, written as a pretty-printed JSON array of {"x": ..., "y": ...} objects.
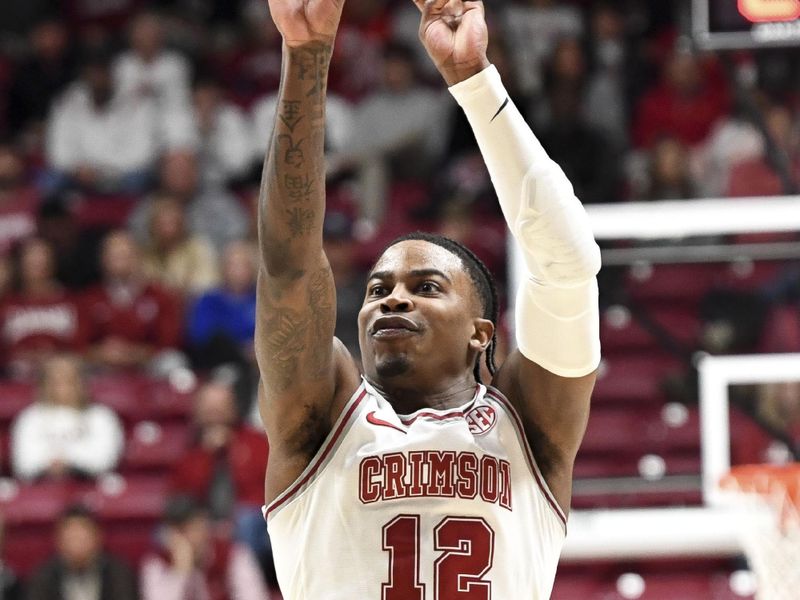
[{"x": 770, "y": 535}]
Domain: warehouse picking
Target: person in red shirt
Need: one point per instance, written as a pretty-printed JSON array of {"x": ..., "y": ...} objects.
[
  {"x": 41, "y": 317},
  {"x": 131, "y": 323},
  {"x": 224, "y": 467},
  {"x": 685, "y": 105}
]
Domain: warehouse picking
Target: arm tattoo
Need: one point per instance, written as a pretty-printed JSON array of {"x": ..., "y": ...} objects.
[{"x": 297, "y": 309}]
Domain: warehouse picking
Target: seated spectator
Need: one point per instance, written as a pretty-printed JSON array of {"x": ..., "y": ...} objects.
[
  {"x": 399, "y": 131},
  {"x": 586, "y": 154},
  {"x": 341, "y": 248},
  {"x": 254, "y": 68},
  {"x": 733, "y": 140},
  {"x": 224, "y": 467},
  {"x": 76, "y": 248},
  {"x": 131, "y": 323},
  {"x": 148, "y": 70},
  {"x": 39, "y": 317},
  {"x": 669, "y": 174},
  {"x": 41, "y": 76},
  {"x": 63, "y": 434},
  {"x": 98, "y": 139},
  {"x": 225, "y": 152},
  {"x": 758, "y": 176},
  {"x": 81, "y": 569},
  {"x": 194, "y": 563},
  {"x": 10, "y": 587},
  {"x": 212, "y": 211},
  {"x": 686, "y": 104},
  {"x": 533, "y": 28},
  {"x": 222, "y": 322},
  {"x": 614, "y": 65},
  {"x": 174, "y": 256},
  {"x": 18, "y": 202}
]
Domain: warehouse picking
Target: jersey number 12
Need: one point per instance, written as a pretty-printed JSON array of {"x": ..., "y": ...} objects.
[{"x": 467, "y": 546}]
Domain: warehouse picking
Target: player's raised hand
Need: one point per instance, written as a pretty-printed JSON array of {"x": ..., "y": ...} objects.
[
  {"x": 455, "y": 35},
  {"x": 304, "y": 21}
]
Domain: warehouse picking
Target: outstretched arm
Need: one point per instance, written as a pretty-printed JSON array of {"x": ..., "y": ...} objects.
[
  {"x": 297, "y": 355},
  {"x": 551, "y": 376}
]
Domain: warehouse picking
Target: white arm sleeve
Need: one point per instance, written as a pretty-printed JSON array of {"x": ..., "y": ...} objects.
[{"x": 557, "y": 316}]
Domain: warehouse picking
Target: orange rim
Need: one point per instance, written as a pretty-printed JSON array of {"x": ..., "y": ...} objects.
[{"x": 764, "y": 480}]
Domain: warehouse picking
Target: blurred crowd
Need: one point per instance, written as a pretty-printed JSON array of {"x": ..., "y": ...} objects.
[{"x": 132, "y": 135}]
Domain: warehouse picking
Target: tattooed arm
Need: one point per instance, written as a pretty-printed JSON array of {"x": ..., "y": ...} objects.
[{"x": 306, "y": 375}]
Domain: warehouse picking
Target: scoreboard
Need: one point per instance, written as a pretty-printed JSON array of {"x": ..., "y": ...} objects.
[{"x": 731, "y": 24}]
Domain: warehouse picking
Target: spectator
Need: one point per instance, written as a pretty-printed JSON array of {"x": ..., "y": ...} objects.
[
  {"x": 254, "y": 69},
  {"x": 18, "y": 202},
  {"x": 75, "y": 247},
  {"x": 341, "y": 248},
  {"x": 98, "y": 139},
  {"x": 686, "y": 104},
  {"x": 81, "y": 570},
  {"x": 356, "y": 61},
  {"x": 669, "y": 175},
  {"x": 211, "y": 211},
  {"x": 10, "y": 588},
  {"x": 607, "y": 98},
  {"x": 584, "y": 152},
  {"x": 149, "y": 71},
  {"x": 195, "y": 564},
  {"x": 225, "y": 151},
  {"x": 178, "y": 259},
  {"x": 64, "y": 434},
  {"x": 758, "y": 176},
  {"x": 732, "y": 141},
  {"x": 224, "y": 467},
  {"x": 222, "y": 321},
  {"x": 398, "y": 130},
  {"x": 40, "y": 317},
  {"x": 42, "y": 76},
  {"x": 533, "y": 28},
  {"x": 132, "y": 323}
]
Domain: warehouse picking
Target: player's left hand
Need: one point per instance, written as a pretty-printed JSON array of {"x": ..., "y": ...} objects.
[{"x": 455, "y": 35}]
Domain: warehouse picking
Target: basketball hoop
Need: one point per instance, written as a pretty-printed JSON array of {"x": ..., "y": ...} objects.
[{"x": 770, "y": 529}]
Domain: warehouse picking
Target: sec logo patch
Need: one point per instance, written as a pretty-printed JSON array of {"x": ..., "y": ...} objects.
[{"x": 481, "y": 419}]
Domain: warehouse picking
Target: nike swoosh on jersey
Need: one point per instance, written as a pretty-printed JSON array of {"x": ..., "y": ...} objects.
[{"x": 371, "y": 418}]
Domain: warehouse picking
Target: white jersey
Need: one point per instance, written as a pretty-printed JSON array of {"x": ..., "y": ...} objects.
[{"x": 436, "y": 505}]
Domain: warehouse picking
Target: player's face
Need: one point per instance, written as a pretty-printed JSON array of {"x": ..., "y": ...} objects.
[{"x": 419, "y": 314}]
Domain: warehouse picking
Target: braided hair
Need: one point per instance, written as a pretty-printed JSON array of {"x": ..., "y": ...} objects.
[{"x": 482, "y": 280}]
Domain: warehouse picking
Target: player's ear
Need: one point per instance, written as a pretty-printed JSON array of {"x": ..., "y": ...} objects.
[{"x": 482, "y": 332}]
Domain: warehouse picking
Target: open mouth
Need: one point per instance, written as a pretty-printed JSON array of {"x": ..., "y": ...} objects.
[{"x": 394, "y": 326}]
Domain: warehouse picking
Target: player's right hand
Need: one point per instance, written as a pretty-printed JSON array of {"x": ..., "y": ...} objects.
[{"x": 306, "y": 21}]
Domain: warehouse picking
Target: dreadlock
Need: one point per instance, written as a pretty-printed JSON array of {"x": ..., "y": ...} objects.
[{"x": 482, "y": 280}]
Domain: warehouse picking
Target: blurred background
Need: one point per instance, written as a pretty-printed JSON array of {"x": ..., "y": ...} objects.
[{"x": 132, "y": 135}]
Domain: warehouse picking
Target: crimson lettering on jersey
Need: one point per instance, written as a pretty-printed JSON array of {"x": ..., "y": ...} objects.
[{"x": 435, "y": 474}]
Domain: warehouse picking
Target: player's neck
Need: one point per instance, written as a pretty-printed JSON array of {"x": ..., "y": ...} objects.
[{"x": 408, "y": 395}]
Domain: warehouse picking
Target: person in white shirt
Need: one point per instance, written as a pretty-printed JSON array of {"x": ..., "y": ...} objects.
[
  {"x": 98, "y": 139},
  {"x": 224, "y": 148},
  {"x": 63, "y": 433},
  {"x": 149, "y": 70}
]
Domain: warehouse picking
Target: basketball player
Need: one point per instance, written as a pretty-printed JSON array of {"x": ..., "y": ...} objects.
[{"x": 413, "y": 480}]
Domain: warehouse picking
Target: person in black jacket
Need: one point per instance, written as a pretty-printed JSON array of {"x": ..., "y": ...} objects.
[{"x": 81, "y": 570}]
